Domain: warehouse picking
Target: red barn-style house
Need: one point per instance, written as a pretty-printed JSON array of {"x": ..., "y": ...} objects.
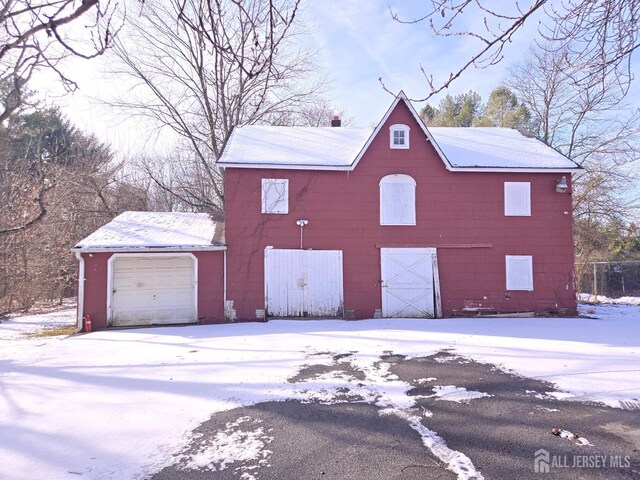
[{"x": 397, "y": 221}]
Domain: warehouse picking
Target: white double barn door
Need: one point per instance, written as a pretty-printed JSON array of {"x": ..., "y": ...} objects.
[
  {"x": 303, "y": 283},
  {"x": 309, "y": 283}
]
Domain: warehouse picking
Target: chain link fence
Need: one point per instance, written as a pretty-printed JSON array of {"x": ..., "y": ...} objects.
[{"x": 611, "y": 279}]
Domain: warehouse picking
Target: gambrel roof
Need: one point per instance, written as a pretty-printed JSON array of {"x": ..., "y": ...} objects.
[{"x": 336, "y": 148}]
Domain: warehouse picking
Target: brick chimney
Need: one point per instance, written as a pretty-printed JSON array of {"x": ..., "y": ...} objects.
[{"x": 335, "y": 121}]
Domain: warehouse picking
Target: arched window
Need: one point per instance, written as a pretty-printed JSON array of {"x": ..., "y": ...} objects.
[
  {"x": 399, "y": 136},
  {"x": 397, "y": 200}
]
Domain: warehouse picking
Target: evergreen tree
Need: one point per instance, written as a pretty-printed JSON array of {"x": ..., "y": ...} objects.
[
  {"x": 503, "y": 110},
  {"x": 428, "y": 114},
  {"x": 458, "y": 111}
]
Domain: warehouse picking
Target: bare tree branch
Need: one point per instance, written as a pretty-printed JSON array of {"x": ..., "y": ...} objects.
[
  {"x": 203, "y": 66},
  {"x": 34, "y": 35},
  {"x": 598, "y": 38},
  {"x": 591, "y": 124}
]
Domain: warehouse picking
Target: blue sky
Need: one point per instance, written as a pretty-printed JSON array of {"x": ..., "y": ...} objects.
[
  {"x": 357, "y": 42},
  {"x": 360, "y": 42}
]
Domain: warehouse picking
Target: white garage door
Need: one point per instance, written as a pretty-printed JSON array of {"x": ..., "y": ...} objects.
[
  {"x": 303, "y": 283},
  {"x": 153, "y": 290},
  {"x": 407, "y": 282}
]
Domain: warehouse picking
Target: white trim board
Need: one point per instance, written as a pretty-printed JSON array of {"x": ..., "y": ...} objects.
[{"x": 167, "y": 250}]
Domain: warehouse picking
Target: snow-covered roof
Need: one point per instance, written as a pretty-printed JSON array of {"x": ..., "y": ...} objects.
[
  {"x": 489, "y": 147},
  {"x": 156, "y": 230},
  {"x": 299, "y": 146},
  {"x": 336, "y": 148}
]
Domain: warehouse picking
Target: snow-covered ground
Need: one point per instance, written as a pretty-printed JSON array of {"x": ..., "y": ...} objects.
[
  {"x": 19, "y": 326},
  {"x": 601, "y": 299},
  {"x": 19, "y": 333},
  {"x": 120, "y": 404}
]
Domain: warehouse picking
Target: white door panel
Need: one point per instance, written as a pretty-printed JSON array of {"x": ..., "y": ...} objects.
[
  {"x": 303, "y": 283},
  {"x": 407, "y": 282}
]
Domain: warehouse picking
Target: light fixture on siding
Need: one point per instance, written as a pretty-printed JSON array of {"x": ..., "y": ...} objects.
[
  {"x": 302, "y": 223},
  {"x": 562, "y": 186}
]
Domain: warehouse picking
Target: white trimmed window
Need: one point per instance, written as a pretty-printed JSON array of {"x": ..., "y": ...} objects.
[
  {"x": 519, "y": 272},
  {"x": 275, "y": 195},
  {"x": 517, "y": 199},
  {"x": 399, "y": 136},
  {"x": 397, "y": 200}
]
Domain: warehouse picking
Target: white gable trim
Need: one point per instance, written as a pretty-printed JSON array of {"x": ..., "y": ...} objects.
[
  {"x": 168, "y": 249},
  {"x": 403, "y": 97},
  {"x": 279, "y": 166},
  {"x": 568, "y": 171},
  {"x": 287, "y": 166}
]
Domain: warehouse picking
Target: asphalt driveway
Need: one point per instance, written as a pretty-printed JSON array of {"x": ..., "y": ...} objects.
[{"x": 496, "y": 420}]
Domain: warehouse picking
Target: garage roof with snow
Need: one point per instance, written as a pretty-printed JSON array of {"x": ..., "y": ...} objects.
[{"x": 145, "y": 230}]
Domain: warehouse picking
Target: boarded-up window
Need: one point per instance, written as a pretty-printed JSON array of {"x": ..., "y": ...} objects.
[
  {"x": 517, "y": 199},
  {"x": 397, "y": 200},
  {"x": 275, "y": 195},
  {"x": 519, "y": 272}
]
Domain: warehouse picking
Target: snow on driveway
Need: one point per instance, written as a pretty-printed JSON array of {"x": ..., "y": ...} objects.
[{"x": 119, "y": 404}]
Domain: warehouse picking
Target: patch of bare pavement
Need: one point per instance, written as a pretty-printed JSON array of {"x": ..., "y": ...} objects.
[{"x": 466, "y": 420}]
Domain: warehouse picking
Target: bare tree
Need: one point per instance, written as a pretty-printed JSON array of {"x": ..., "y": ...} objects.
[
  {"x": 597, "y": 38},
  {"x": 592, "y": 125},
  {"x": 202, "y": 67},
  {"x": 38, "y": 35},
  {"x": 84, "y": 189},
  {"x": 25, "y": 179},
  {"x": 317, "y": 114},
  {"x": 34, "y": 35}
]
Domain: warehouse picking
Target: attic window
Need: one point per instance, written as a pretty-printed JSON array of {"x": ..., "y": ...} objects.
[
  {"x": 399, "y": 136},
  {"x": 275, "y": 195}
]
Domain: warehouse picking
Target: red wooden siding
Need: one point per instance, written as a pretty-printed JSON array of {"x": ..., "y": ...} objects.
[
  {"x": 453, "y": 209},
  {"x": 210, "y": 287}
]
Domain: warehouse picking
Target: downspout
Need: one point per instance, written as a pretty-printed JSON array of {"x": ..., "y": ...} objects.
[
  {"x": 80, "y": 292},
  {"x": 224, "y": 281}
]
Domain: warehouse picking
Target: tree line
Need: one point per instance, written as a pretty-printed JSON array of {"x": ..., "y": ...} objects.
[
  {"x": 57, "y": 185},
  {"x": 502, "y": 109}
]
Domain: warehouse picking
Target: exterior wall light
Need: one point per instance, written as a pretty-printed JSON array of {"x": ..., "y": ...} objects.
[
  {"x": 302, "y": 223},
  {"x": 562, "y": 186}
]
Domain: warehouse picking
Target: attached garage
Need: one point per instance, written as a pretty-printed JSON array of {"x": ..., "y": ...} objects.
[{"x": 152, "y": 268}]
